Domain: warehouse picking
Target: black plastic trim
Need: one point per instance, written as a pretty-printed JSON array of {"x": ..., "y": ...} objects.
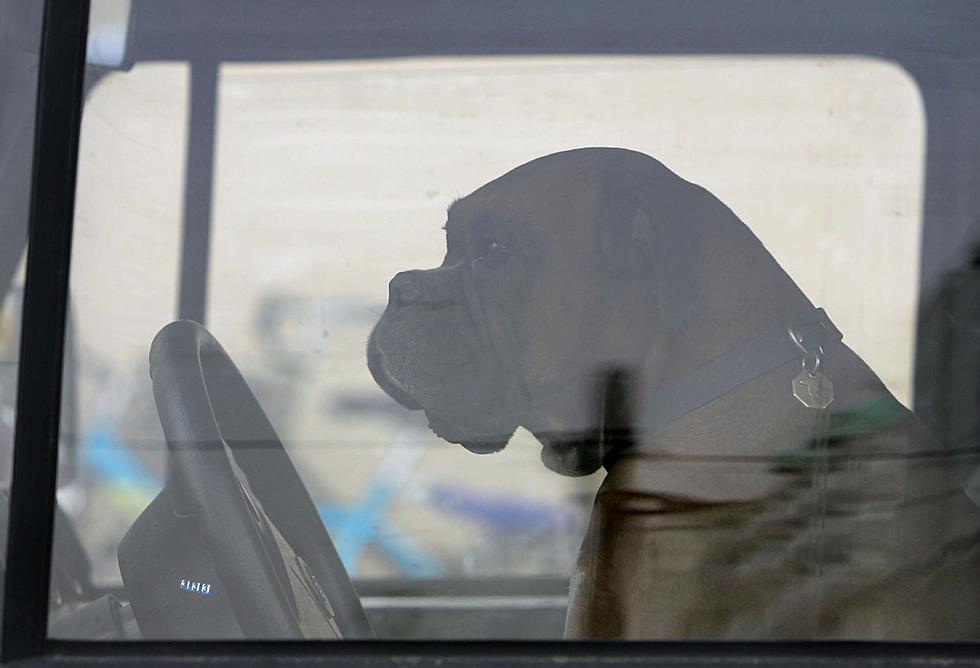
[
  {"x": 507, "y": 653},
  {"x": 35, "y": 465}
]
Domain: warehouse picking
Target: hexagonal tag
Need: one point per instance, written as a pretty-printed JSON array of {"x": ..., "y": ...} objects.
[{"x": 814, "y": 390}]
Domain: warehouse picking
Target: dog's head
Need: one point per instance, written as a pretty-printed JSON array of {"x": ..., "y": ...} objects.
[{"x": 560, "y": 271}]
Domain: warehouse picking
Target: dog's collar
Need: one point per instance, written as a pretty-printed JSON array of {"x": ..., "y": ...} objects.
[
  {"x": 801, "y": 338},
  {"x": 798, "y": 338}
]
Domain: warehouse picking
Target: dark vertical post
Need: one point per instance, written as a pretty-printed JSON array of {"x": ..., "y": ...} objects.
[
  {"x": 32, "y": 493},
  {"x": 199, "y": 176},
  {"x": 945, "y": 342}
]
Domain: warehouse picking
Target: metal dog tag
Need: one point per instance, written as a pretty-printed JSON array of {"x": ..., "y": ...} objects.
[{"x": 813, "y": 389}]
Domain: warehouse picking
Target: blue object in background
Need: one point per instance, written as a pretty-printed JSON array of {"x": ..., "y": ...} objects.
[
  {"x": 502, "y": 513},
  {"x": 353, "y": 529}
]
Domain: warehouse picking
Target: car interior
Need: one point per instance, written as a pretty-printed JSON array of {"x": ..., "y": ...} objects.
[{"x": 183, "y": 514}]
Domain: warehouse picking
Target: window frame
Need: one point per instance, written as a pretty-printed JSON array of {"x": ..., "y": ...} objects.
[{"x": 897, "y": 30}]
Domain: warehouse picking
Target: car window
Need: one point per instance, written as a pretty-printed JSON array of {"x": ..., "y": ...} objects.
[{"x": 326, "y": 225}]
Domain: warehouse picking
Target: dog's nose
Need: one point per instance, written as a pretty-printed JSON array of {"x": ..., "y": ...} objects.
[{"x": 405, "y": 288}]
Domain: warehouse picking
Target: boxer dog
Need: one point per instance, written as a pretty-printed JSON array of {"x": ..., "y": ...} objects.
[{"x": 629, "y": 320}]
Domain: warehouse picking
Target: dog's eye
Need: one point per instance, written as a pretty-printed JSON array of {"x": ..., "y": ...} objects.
[{"x": 495, "y": 254}]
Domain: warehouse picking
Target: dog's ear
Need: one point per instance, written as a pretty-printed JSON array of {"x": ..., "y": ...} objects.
[{"x": 660, "y": 247}]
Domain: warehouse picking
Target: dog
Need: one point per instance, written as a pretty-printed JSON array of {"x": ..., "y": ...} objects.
[{"x": 761, "y": 482}]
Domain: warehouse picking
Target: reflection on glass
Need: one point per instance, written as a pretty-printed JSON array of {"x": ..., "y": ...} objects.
[{"x": 348, "y": 338}]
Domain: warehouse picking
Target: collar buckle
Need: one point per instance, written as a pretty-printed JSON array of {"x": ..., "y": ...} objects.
[{"x": 811, "y": 332}]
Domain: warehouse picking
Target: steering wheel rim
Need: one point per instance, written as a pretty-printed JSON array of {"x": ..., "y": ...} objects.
[{"x": 213, "y": 423}]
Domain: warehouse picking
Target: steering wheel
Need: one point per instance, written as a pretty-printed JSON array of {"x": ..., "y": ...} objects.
[{"x": 229, "y": 471}]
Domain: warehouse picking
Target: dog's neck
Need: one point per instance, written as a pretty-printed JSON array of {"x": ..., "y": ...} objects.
[
  {"x": 706, "y": 452},
  {"x": 756, "y": 412},
  {"x": 735, "y": 312},
  {"x": 747, "y": 385}
]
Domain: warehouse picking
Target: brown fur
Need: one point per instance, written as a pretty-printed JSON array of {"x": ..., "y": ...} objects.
[{"x": 752, "y": 517}]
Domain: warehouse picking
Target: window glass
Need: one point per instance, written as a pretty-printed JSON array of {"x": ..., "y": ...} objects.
[{"x": 676, "y": 467}]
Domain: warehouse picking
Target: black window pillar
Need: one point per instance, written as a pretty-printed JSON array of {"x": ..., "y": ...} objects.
[
  {"x": 198, "y": 189},
  {"x": 35, "y": 466}
]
